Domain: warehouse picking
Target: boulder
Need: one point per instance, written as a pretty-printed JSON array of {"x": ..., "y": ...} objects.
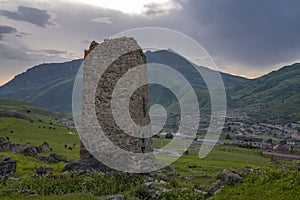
[
  {"x": 4, "y": 144},
  {"x": 44, "y": 148},
  {"x": 91, "y": 164},
  {"x": 214, "y": 187},
  {"x": 8, "y": 168},
  {"x": 245, "y": 171},
  {"x": 27, "y": 149},
  {"x": 30, "y": 150},
  {"x": 113, "y": 197},
  {"x": 230, "y": 177},
  {"x": 54, "y": 158},
  {"x": 44, "y": 170}
]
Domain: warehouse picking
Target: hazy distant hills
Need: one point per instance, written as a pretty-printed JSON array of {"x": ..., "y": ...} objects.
[{"x": 275, "y": 94}]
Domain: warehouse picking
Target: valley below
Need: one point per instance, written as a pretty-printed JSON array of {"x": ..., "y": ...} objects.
[
  {"x": 255, "y": 157},
  {"x": 230, "y": 171}
]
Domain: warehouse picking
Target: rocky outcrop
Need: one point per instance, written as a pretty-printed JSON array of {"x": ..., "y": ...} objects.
[
  {"x": 8, "y": 168},
  {"x": 227, "y": 177},
  {"x": 30, "y": 150},
  {"x": 214, "y": 187},
  {"x": 53, "y": 158},
  {"x": 42, "y": 171},
  {"x": 86, "y": 165},
  {"x": 27, "y": 149},
  {"x": 230, "y": 177},
  {"x": 113, "y": 197},
  {"x": 44, "y": 148},
  {"x": 4, "y": 144}
]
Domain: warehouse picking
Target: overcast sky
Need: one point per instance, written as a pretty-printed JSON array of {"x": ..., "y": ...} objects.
[{"x": 244, "y": 37}]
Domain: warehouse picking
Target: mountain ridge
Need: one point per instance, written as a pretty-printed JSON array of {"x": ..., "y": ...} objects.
[{"x": 50, "y": 85}]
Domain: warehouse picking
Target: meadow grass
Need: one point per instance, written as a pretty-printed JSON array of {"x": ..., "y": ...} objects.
[
  {"x": 39, "y": 125},
  {"x": 22, "y": 131}
]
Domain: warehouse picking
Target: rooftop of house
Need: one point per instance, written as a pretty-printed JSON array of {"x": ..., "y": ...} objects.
[{"x": 280, "y": 147}]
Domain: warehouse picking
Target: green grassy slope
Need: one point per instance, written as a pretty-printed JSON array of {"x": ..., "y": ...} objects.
[
  {"x": 275, "y": 94},
  {"x": 47, "y": 85},
  {"x": 50, "y": 85},
  {"x": 23, "y": 123}
]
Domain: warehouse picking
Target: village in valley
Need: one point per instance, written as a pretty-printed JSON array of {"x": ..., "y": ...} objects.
[
  {"x": 274, "y": 140},
  {"x": 280, "y": 140}
]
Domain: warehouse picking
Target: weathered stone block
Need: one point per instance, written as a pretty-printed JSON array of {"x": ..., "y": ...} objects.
[{"x": 8, "y": 167}]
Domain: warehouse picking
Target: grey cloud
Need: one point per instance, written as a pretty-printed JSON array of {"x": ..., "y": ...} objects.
[
  {"x": 15, "y": 53},
  {"x": 24, "y": 54},
  {"x": 16, "y": 59},
  {"x": 22, "y": 34},
  {"x": 258, "y": 33},
  {"x": 102, "y": 20},
  {"x": 237, "y": 33},
  {"x": 53, "y": 51},
  {"x": 6, "y": 30},
  {"x": 155, "y": 9},
  {"x": 35, "y": 16}
]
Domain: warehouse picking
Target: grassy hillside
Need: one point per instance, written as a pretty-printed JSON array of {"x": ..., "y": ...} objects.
[
  {"x": 275, "y": 94},
  {"x": 187, "y": 70},
  {"x": 188, "y": 175},
  {"x": 48, "y": 85},
  {"x": 23, "y": 123}
]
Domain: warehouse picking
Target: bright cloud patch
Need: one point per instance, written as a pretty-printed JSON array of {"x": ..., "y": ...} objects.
[
  {"x": 136, "y": 7},
  {"x": 102, "y": 20}
]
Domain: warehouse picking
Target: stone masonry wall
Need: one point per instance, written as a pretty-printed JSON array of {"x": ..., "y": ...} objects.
[{"x": 139, "y": 101}]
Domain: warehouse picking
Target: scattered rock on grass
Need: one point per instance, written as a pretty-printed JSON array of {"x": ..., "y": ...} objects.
[
  {"x": 44, "y": 148},
  {"x": 44, "y": 170},
  {"x": 230, "y": 177},
  {"x": 7, "y": 168},
  {"x": 90, "y": 164},
  {"x": 214, "y": 187},
  {"x": 113, "y": 197}
]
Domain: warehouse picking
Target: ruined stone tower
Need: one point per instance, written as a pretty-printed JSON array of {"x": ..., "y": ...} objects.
[{"x": 139, "y": 101}]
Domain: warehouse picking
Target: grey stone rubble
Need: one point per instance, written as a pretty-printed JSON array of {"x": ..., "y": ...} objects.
[
  {"x": 230, "y": 177},
  {"x": 30, "y": 150},
  {"x": 113, "y": 197},
  {"x": 227, "y": 177},
  {"x": 42, "y": 171},
  {"x": 8, "y": 168},
  {"x": 44, "y": 148},
  {"x": 85, "y": 165}
]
